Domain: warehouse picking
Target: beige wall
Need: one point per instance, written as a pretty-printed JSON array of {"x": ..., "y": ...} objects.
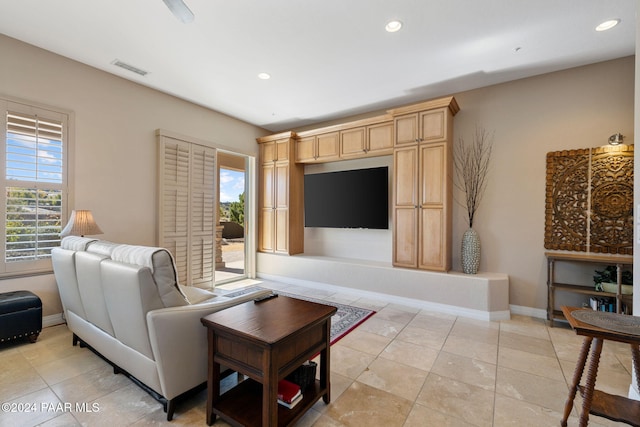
[
  {"x": 115, "y": 148},
  {"x": 576, "y": 108}
]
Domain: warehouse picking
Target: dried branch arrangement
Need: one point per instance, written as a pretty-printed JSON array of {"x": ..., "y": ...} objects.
[{"x": 471, "y": 163}]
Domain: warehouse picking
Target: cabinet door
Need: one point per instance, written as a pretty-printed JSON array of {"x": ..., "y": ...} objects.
[
  {"x": 352, "y": 143},
  {"x": 282, "y": 150},
  {"x": 405, "y": 181},
  {"x": 267, "y": 152},
  {"x": 380, "y": 139},
  {"x": 266, "y": 226},
  {"x": 432, "y": 223},
  {"x": 281, "y": 235},
  {"x": 432, "y": 247},
  {"x": 305, "y": 149},
  {"x": 406, "y": 129},
  {"x": 328, "y": 146},
  {"x": 433, "y": 126},
  {"x": 266, "y": 199},
  {"x": 432, "y": 174},
  {"x": 405, "y": 207}
]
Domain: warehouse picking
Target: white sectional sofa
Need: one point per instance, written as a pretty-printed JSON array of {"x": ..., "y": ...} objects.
[{"x": 125, "y": 303}]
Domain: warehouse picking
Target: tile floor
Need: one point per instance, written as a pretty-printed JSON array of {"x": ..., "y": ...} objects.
[{"x": 402, "y": 367}]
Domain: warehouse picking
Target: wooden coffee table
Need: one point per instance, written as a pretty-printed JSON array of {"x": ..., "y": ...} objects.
[{"x": 266, "y": 341}]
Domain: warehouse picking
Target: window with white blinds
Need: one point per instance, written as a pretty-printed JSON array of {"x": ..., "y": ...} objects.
[
  {"x": 186, "y": 208},
  {"x": 34, "y": 177}
]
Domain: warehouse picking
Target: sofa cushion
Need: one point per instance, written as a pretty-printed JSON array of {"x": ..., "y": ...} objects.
[
  {"x": 76, "y": 243},
  {"x": 102, "y": 247},
  {"x": 162, "y": 267}
]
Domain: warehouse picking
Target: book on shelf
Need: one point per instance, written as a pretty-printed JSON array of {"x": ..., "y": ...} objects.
[
  {"x": 288, "y": 391},
  {"x": 291, "y": 404}
]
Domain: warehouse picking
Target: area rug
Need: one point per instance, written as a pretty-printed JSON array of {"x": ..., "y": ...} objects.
[{"x": 346, "y": 319}]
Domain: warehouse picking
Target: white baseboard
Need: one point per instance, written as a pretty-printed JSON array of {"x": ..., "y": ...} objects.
[
  {"x": 52, "y": 320},
  {"x": 528, "y": 311}
]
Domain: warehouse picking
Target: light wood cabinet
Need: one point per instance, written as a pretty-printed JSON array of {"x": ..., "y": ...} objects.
[
  {"x": 280, "y": 218},
  {"x": 424, "y": 126},
  {"x": 367, "y": 141},
  {"x": 422, "y": 185},
  {"x": 318, "y": 148}
]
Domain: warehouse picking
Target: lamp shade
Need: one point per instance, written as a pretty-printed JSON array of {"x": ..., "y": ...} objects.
[{"x": 80, "y": 223}]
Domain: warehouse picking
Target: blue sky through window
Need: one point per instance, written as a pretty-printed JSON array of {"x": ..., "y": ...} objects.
[{"x": 231, "y": 185}]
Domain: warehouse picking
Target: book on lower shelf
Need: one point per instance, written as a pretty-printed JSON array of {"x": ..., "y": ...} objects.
[
  {"x": 291, "y": 404},
  {"x": 288, "y": 392}
]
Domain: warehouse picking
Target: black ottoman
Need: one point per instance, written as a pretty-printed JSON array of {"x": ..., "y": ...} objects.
[{"x": 20, "y": 316}]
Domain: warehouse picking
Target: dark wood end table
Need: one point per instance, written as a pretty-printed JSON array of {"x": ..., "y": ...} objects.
[
  {"x": 266, "y": 341},
  {"x": 617, "y": 408}
]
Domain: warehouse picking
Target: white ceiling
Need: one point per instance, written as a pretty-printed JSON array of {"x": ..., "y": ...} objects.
[{"x": 327, "y": 58}]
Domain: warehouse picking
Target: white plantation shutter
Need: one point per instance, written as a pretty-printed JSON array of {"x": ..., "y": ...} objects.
[
  {"x": 34, "y": 173},
  {"x": 187, "y": 174}
]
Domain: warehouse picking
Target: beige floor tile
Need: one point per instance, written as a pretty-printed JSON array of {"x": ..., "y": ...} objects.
[
  {"x": 366, "y": 342},
  {"x": 486, "y": 332},
  {"x": 364, "y": 406},
  {"x": 17, "y": 376},
  {"x": 441, "y": 323},
  {"x": 457, "y": 399},
  {"x": 536, "y": 364},
  {"x": 348, "y": 362},
  {"x": 530, "y": 344},
  {"x": 385, "y": 328},
  {"x": 59, "y": 370},
  {"x": 370, "y": 303},
  {"x": 527, "y": 326},
  {"x": 385, "y": 374},
  {"x": 610, "y": 380},
  {"x": 64, "y": 420},
  {"x": 466, "y": 370},
  {"x": 424, "y": 337},
  {"x": 515, "y": 412},
  {"x": 532, "y": 388},
  {"x": 410, "y": 354},
  {"x": 123, "y": 407},
  {"x": 90, "y": 386},
  {"x": 395, "y": 315},
  {"x": 32, "y": 409},
  {"x": 474, "y": 349},
  {"x": 421, "y": 416}
]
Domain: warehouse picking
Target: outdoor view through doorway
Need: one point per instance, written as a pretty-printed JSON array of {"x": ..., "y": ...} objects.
[{"x": 231, "y": 179}]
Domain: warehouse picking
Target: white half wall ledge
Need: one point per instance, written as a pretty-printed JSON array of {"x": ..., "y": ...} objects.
[{"x": 482, "y": 296}]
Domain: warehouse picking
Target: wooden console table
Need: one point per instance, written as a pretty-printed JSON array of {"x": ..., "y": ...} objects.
[
  {"x": 266, "y": 341},
  {"x": 617, "y": 408},
  {"x": 588, "y": 290}
]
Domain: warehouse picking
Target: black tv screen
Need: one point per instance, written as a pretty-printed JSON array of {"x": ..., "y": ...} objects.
[{"x": 347, "y": 199}]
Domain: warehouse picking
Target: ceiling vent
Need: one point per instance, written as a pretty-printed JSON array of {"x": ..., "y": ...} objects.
[{"x": 128, "y": 67}]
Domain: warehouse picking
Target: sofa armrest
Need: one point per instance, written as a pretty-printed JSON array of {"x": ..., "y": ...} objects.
[{"x": 179, "y": 342}]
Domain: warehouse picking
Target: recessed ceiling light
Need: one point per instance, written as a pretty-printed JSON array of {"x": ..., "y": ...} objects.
[
  {"x": 607, "y": 25},
  {"x": 393, "y": 26},
  {"x": 264, "y": 76}
]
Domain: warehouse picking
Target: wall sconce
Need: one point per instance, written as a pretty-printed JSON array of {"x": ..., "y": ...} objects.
[
  {"x": 80, "y": 223},
  {"x": 616, "y": 139}
]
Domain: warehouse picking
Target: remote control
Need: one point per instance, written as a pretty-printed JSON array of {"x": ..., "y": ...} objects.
[{"x": 265, "y": 297}]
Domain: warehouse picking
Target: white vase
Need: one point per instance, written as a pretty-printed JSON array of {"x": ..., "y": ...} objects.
[{"x": 470, "y": 254}]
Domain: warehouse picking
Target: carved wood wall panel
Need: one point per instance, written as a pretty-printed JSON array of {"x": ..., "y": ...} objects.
[{"x": 589, "y": 200}]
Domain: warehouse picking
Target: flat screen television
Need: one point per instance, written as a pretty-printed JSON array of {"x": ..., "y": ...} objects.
[{"x": 347, "y": 199}]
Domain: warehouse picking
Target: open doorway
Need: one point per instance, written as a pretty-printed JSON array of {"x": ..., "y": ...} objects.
[{"x": 231, "y": 247}]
